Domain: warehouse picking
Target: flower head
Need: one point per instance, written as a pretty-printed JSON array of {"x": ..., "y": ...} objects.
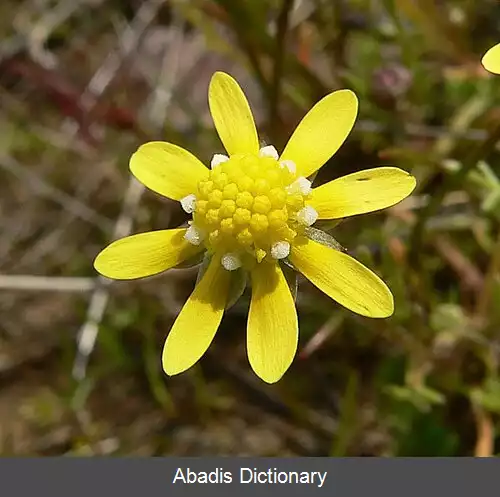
[
  {"x": 252, "y": 210},
  {"x": 491, "y": 59}
]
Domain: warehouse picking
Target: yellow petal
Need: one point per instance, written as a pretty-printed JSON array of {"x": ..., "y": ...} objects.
[
  {"x": 197, "y": 323},
  {"x": 272, "y": 323},
  {"x": 364, "y": 191},
  {"x": 344, "y": 279},
  {"x": 144, "y": 254},
  {"x": 322, "y": 131},
  {"x": 491, "y": 59},
  {"x": 167, "y": 169},
  {"x": 232, "y": 115}
]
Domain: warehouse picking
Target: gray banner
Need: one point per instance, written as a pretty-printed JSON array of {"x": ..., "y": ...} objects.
[{"x": 349, "y": 477}]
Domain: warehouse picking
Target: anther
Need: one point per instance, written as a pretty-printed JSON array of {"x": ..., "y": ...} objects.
[
  {"x": 194, "y": 235},
  {"x": 269, "y": 151},
  {"x": 300, "y": 185},
  {"x": 188, "y": 203},
  {"x": 290, "y": 165},
  {"x": 307, "y": 216},
  {"x": 230, "y": 261},
  {"x": 218, "y": 159},
  {"x": 280, "y": 250}
]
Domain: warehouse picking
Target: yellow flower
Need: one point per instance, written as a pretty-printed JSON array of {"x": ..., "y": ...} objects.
[
  {"x": 491, "y": 59},
  {"x": 251, "y": 209}
]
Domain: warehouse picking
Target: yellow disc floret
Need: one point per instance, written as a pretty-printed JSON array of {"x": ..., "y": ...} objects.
[{"x": 250, "y": 207}]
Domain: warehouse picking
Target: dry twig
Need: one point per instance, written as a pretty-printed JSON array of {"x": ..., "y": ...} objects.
[
  {"x": 46, "y": 283},
  {"x": 99, "y": 300}
]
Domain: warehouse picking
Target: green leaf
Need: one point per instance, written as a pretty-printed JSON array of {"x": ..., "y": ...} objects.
[
  {"x": 422, "y": 397},
  {"x": 324, "y": 238},
  {"x": 488, "y": 396},
  {"x": 238, "y": 281},
  {"x": 193, "y": 261},
  {"x": 237, "y": 287},
  {"x": 204, "y": 266},
  {"x": 445, "y": 317},
  {"x": 291, "y": 278},
  {"x": 328, "y": 225}
]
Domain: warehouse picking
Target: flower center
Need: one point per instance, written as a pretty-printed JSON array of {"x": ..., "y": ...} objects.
[{"x": 249, "y": 208}]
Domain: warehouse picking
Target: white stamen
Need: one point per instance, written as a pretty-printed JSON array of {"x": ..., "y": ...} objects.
[
  {"x": 269, "y": 151},
  {"x": 300, "y": 185},
  {"x": 230, "y": 261},
  {"x": 189, "y": 203},
  {"x": 307, "y": 216},
  {"x": 290, "y": 165},
  {"x": 194, "y": 235},
  {"x": 218, "y": 159},
  {"x": 280, "y": 250}
]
